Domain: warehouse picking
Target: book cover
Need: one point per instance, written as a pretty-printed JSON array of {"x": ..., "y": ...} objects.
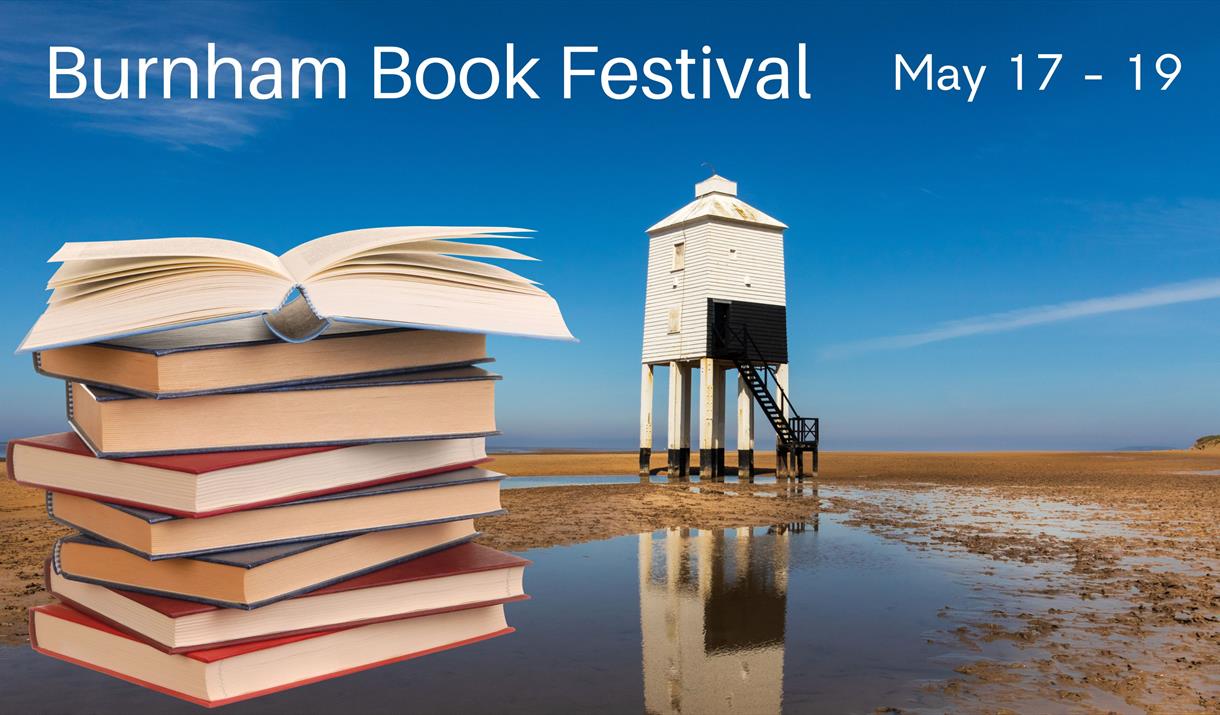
[
  {"x": 221, "y": 653},
  {"x": 98, "y": 397},
  {"x": 260, "y": 387},
  {"x": 400, "y": 377},
  {"x": 434, "y": 481},
  {"x": 247, "y": 558},
  {"x": 462, "y": 559},
  {"x": 195, "y": 463},
  {"x": 202, "y": 463},
  {"x": 161, "y": 344}
]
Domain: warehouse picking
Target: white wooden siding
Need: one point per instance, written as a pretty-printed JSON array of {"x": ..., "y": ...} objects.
[{"x": 718, "y": 257}]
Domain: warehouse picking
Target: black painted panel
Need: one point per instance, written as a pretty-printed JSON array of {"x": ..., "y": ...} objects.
[
  {"x": 767, "y": 326},
  {"x": 745, "y": 607}
]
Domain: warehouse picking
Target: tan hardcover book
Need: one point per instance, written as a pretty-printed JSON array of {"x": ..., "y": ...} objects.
[
  {"x": 231, "y": 673},
  {"x": 255, "y": 576},
  {"x": 460, "y": 494},
  {"x": 422, "y": 405},
  {"x": 212, "y": 483},
  {"x": 462, "y": 577},
  {"x": 244, "y": 354}
]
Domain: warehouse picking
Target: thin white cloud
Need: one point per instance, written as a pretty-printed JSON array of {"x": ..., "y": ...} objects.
[
  {"x": 112, "y": 30},
  {"x": 1187, "y": 226},
  {"x": 1171, "y": 294}
]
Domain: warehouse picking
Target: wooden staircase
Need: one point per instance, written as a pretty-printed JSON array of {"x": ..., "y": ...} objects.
[{"x": 795, "y": 436}]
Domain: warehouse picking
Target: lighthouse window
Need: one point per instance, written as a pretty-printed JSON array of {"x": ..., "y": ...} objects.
[
  {"x": 675, "y": 320},
  {"x": 679, "y": 258}
]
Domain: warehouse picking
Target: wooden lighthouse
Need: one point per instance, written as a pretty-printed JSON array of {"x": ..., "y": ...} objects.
[{"x": 715, "y": 300}]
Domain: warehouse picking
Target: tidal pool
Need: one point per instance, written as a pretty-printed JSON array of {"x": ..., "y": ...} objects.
[
  {"x": 602, "y": 479},
  {"x": 810, "y": 617}
]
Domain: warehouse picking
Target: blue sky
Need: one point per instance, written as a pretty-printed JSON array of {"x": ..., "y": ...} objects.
[{"x": 911, "y": 213}]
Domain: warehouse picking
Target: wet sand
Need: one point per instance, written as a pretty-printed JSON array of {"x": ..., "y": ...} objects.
[
  {"x": 1118, "y": 557},
  {"x": 1042, "y": 469}
]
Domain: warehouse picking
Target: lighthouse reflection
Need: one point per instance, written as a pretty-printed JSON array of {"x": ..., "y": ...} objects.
[{"x": 712, "y": 612}]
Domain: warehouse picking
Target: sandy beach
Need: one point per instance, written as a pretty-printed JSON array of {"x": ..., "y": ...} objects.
[{"x": 1130, "y": 541}]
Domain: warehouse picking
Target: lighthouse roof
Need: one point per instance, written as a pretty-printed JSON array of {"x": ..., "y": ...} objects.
[{"x": 716, "y": 198}]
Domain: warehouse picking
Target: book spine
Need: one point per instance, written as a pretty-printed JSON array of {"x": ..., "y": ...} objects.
[
  {"x": 296, "y": 320},
  {"x": 33, "y": 633},
  {"x": 108, "y": 386},
  {"x": 57, "y": 562},
  {"x": 58, "y": 520},
  {"x": 8, "y": 460}
]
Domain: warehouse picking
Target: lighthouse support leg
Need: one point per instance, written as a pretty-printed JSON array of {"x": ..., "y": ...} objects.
[
  {"x": 711, "y": 420},
  {"x": 718, "y": 408},
  {"x": 679, "y": 421},
  {"x": 745, "y": 432},
  {"x": 646, "y": 384},
  {"x": 784, "y": 456}
]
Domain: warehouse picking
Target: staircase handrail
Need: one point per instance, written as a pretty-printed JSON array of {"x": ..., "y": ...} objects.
[
  {"x": 755, "y": 355},
  {"x": 800, "y": 429}
]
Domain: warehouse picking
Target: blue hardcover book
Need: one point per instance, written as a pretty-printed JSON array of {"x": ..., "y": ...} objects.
[
  {"x": 434, "y": 404},
  {"x": 255, "y": 576},
  {"x": 450, "y": 496},
  {"x": 404, "y": 276}
]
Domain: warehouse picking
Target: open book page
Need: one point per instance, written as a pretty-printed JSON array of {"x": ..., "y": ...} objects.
[
  {"x": 443, "y": 267},
  {"x": 412, "y": 276},
  {"x": 169, "y": 249},
  {"x": 142, "y": 280},
  {"x": 78, "y": 272},
  {"x": 422, "y": 274},
  {"x": 321, "y": 253},
  {"x": 456, "y": 248},
  {"x": 155, "y": 305},
  {"x": 109, "y": 289},
  {"x": 439, "y": 305}
]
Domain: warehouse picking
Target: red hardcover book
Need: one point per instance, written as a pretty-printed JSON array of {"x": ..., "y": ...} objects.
[
  {"x": 225, "y": 675},
  {"x": 198, "y": 485},
  {"x": 465, "y": 576}
]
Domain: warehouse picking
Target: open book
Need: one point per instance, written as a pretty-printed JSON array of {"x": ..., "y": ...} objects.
[{"x": 412, "y": 276}]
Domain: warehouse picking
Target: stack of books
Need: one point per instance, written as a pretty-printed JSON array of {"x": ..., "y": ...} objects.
[{"x": 267, "y": 497}]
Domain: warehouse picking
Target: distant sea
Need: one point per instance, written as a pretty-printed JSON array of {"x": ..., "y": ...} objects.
[{"x": 1148, "y": 448}]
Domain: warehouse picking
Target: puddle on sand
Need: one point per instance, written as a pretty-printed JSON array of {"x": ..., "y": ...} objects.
[
  {"x": 787, "y": 488},
  {"x": 603, "y": 479},
  {"x": 797, "y": 618},
  {"x": 981, "y": 508}
]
